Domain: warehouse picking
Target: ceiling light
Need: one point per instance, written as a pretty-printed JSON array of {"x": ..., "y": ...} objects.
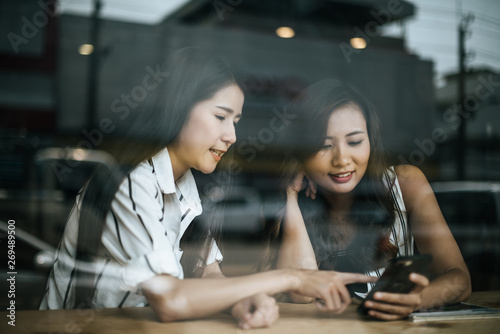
[
  {"x": 285, "y": 32},
  {"x": 86, "y": 49},
  {"x": 358, "y": 43}
]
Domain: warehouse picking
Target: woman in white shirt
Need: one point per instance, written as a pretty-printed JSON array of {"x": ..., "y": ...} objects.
[{"x": 121, "y": 246}]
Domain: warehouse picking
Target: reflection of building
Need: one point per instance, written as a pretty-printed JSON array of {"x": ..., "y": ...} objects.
[
  {"x": 397, "y": 82},
  {"x": 481, "y": 112},
  {"x": 275, "y": 68}
]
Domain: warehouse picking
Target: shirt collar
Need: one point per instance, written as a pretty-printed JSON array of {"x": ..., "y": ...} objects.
[{"x": 165, "y": 176}]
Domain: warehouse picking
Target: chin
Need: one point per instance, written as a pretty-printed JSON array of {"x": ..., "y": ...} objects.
[
  {"x": 341, "y": 190},
  {"x": 207, "y": 169}
]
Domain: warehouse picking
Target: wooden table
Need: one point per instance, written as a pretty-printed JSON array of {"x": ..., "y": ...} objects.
[{"x": 294, "y": 318}]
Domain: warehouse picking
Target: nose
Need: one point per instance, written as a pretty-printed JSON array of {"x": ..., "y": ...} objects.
[
  {"x": 229, "y": 135},
  {"x": 340, "y": 156}
]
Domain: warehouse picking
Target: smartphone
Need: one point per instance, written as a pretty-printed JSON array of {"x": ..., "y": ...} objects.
[{"x": 395, "y": 278}]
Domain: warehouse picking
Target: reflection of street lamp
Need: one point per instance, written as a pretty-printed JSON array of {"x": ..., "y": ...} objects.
[
  {"x": 92, "y": 84},
  {"x": 461, "y": 138}
]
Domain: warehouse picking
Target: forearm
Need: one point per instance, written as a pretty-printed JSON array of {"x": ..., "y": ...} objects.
[
  {"x": 173, "y": 299},
  {"x": 449, "y": 288},
  {"x": 296, "y": 250}
]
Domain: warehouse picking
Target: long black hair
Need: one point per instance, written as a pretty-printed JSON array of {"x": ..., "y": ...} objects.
[
  {"x": 190, "y": 75},
  {"x": 373, "y": 210}
]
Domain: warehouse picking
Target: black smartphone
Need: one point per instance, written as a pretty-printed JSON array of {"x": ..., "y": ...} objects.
[{"x": 395, "y": 278}]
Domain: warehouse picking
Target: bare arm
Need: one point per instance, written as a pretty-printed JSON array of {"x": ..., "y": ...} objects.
[
  {"x": 432, "y": 236},
  {"x": 257, "y": 311},
  {"x": 295, "y": 250},
  {"x": 173, "y": 299}
]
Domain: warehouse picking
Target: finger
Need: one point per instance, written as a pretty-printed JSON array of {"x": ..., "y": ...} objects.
[
  {"x": 312, "y": 193},
  {"x": 420, "y": 281},
  {"x": 266, "y": 312},
  {"x": 384, "y": 301},
  {"x": 337, "y": 302},
  {"x": 240, "y": 310},
  {"x": 256, "y": 320},
  {"x": 312, "y": 187},
  {"x": 346, "y": 297},
  {"x": 264, "y": 318},
  {"x": 325, "y": 300},
  {"x": 299, "y": 181},
  {"x": 244, "y": 325},
  {"x": 402, "y": 310},
  {"x": 348, "y": 278},
  {"x": 309, "y": 192},
  {"x": 320, "y": 304},
  {"x": 385, "y": 316}
]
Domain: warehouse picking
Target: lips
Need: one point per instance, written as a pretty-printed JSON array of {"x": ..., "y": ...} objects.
[
  {"x": 342, "y": 177},
  {"x": 217, "y": 154}
]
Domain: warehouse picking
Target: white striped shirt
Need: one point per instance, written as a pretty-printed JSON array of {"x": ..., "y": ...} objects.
[{"x": 148, "y": 217}]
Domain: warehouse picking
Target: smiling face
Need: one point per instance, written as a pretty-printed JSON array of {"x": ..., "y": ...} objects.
[
  {"x": 208, "y": 132},
  {"x": 342, "y": 161}
]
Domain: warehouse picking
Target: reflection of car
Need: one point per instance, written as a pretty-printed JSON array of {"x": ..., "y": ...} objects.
[
  {"x": 243, "y": 209},
  {"x": 33, "y": 260},
  {"x": 472, "y": 211}
]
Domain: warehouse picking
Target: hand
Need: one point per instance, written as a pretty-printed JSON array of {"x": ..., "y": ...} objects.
[
  {"x": 301, "y": 182},
  {"x": 257, "y": 311},
  {"x": 395, "y": 306},
  {"x": 329, "y": 287}
]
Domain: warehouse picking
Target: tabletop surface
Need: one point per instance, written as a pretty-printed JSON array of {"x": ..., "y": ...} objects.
[{"x": 294, "y": 318}]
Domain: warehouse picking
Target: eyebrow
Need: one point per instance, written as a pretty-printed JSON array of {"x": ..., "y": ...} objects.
[
  {"x": 349, "y": 134},
  {"x": 354, "y": 133},
  {"x": 228, "y": 110}
]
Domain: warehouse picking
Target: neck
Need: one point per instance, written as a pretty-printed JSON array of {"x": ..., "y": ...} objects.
[
  {"x": 339, "y": 206},
  {"x": 178, "y": 167},
  {"x": 339, "y": 202}
]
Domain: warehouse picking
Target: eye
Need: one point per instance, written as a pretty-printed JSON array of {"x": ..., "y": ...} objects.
[
  {"x": 326, "y": 147},
  {"x": 236, "y": 121},
  {"x": 220, "y": 118},
  {"x": 355, "y": 143}
]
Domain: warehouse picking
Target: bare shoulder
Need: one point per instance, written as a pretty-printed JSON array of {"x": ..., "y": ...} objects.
[
  {"x": 409, "y": 175},
  {"x": 413, "y": 183},
  {"x": 408, "y": 172}
]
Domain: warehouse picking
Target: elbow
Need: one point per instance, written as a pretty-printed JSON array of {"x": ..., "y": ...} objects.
[
  {"x": 468, "y": 288},
  {"x": 467, "y": 285},
  {"x": 170, "y": 307},
  {"x": 464, "y": 283},
  {"x": 166, "y": 299},
  {"x": 467, "y": 293}
]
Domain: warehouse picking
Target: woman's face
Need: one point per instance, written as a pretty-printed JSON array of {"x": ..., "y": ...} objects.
[
  {"x": 208, "y": 132},
  {"x": 341, "y": 163}
]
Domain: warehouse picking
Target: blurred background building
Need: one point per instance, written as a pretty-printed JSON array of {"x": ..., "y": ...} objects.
[{"x": 72, "y": 78}]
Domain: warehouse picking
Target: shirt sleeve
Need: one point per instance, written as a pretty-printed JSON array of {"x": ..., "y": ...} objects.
[{"x": 135, "y": 235}]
